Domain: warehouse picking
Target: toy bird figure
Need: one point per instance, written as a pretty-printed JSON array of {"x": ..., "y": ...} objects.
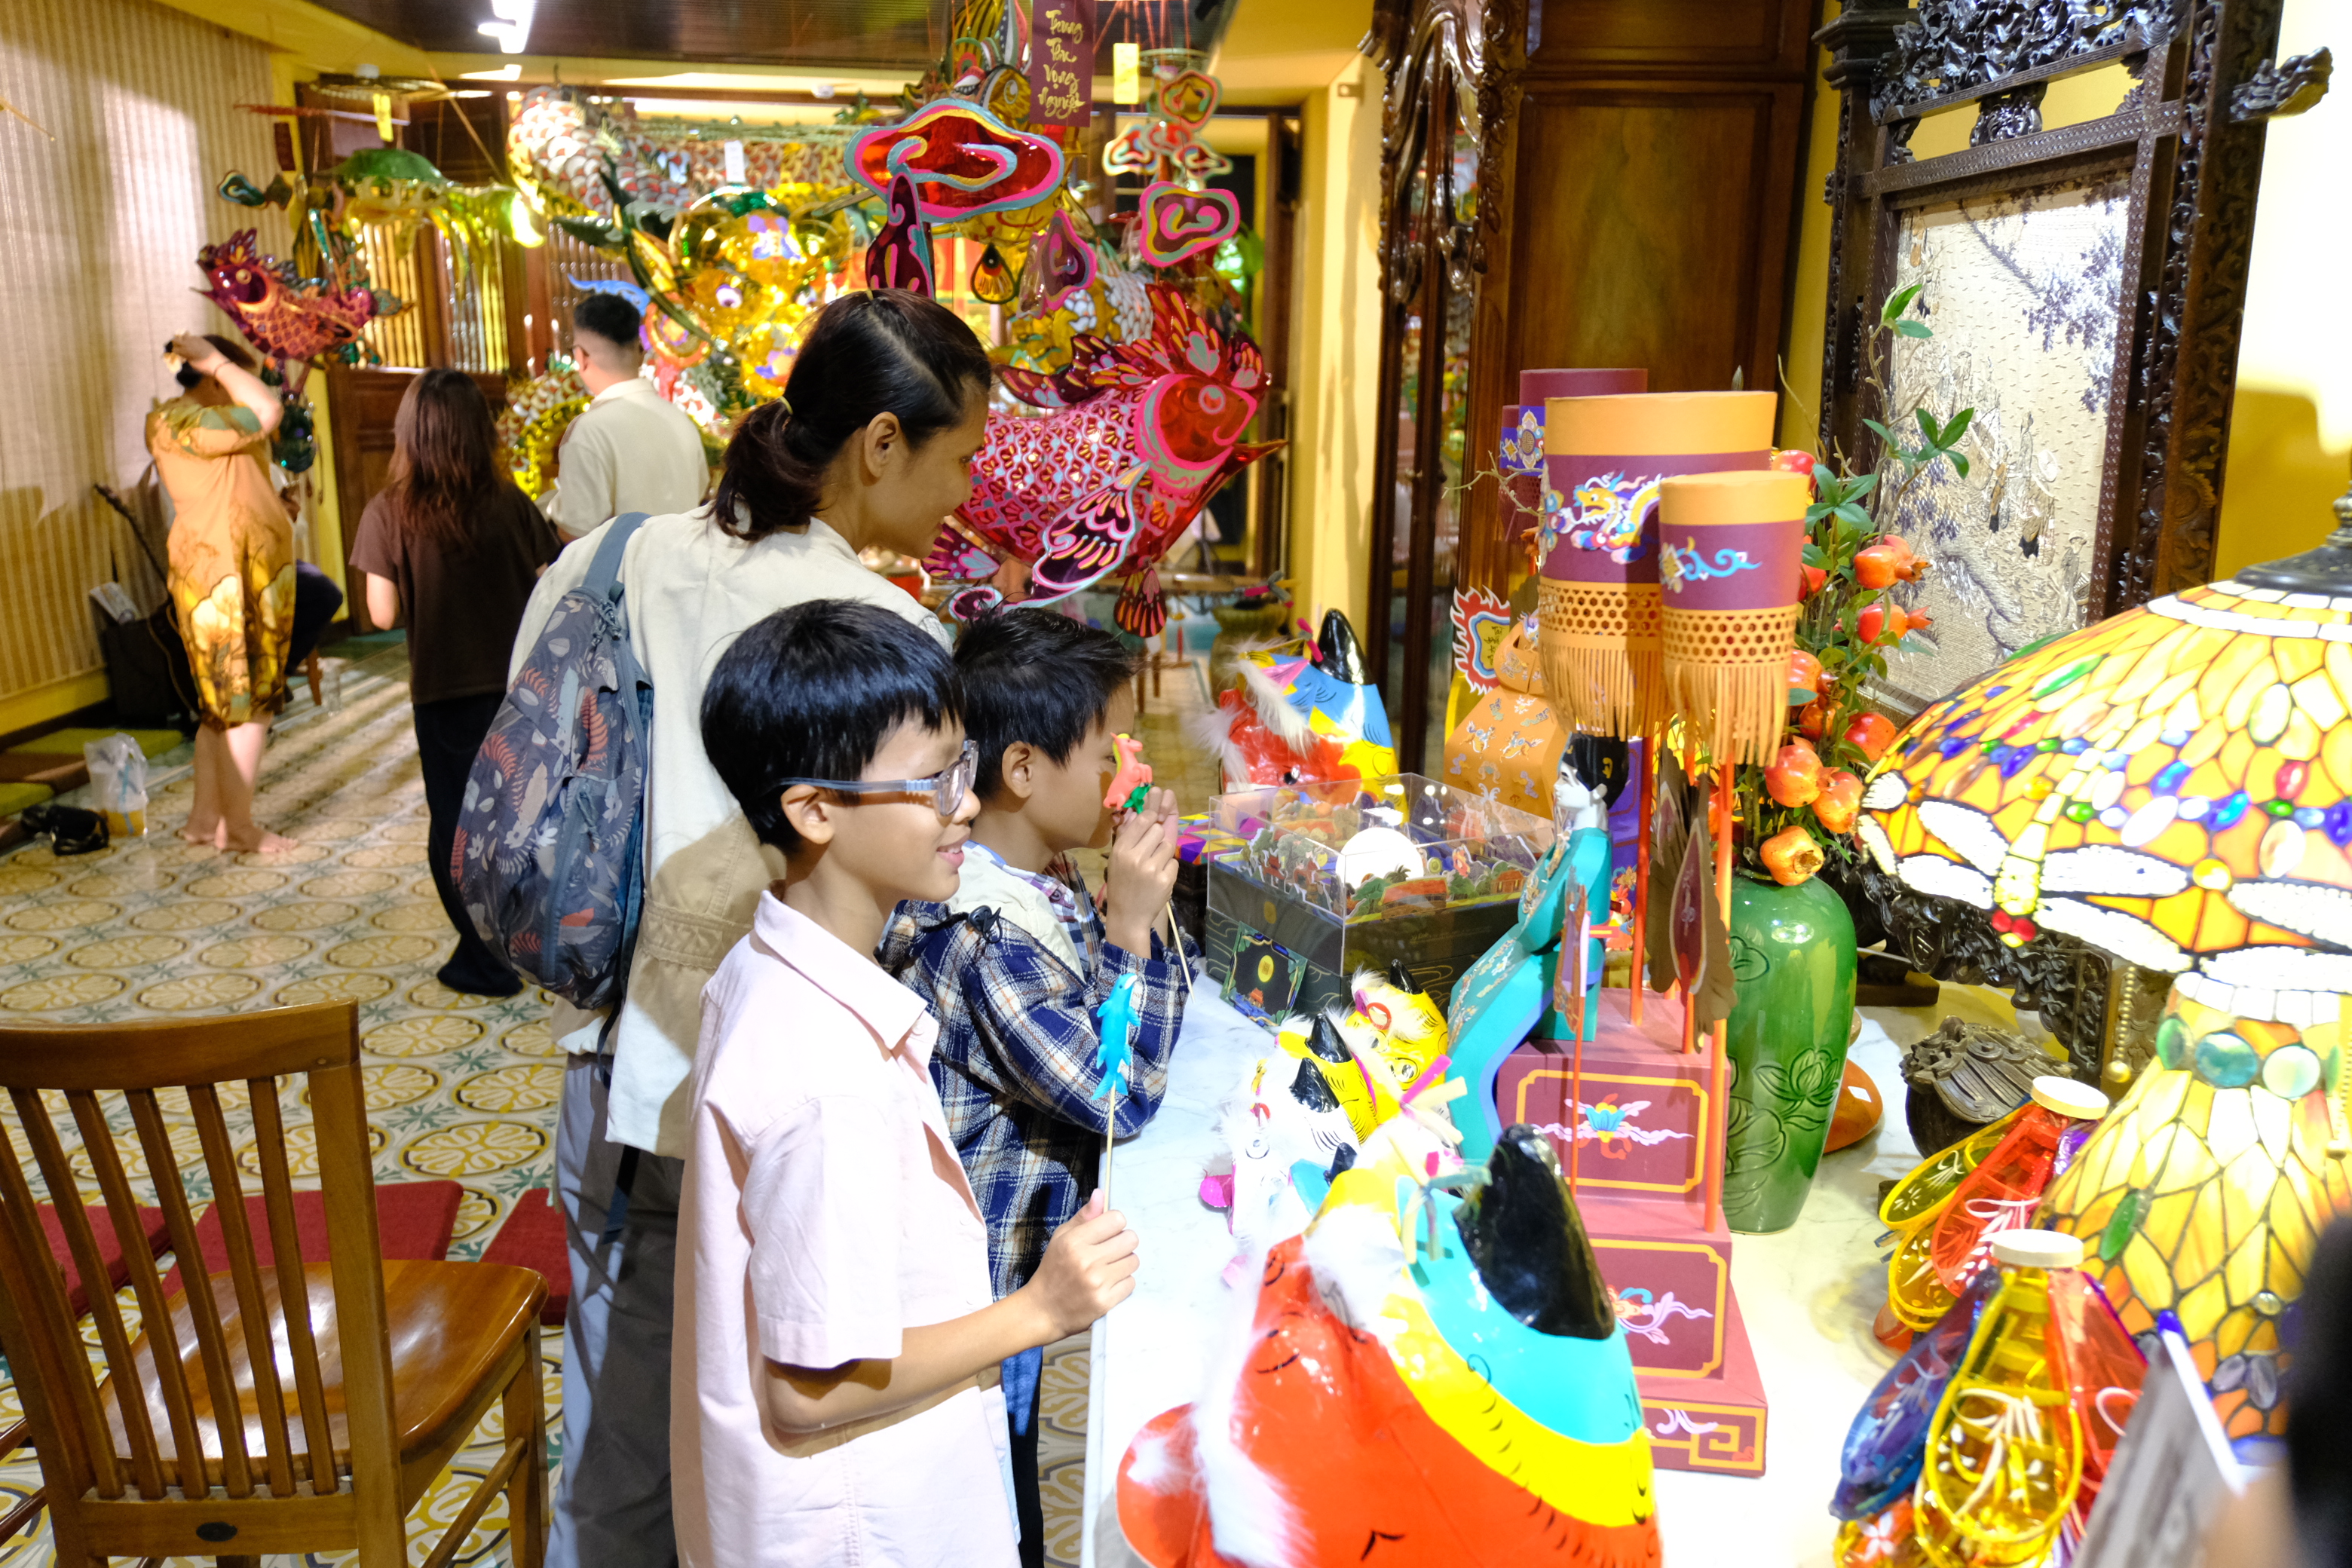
[
  {"x": 1107, "y": 484},
  {"x": 284, "y": 316}
]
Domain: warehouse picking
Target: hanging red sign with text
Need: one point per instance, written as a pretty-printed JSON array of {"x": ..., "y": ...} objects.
[{"x": 1061, "y": 62}]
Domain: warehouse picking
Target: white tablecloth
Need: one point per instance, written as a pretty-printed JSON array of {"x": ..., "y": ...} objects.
[{"x": 1809, "y": 1295}]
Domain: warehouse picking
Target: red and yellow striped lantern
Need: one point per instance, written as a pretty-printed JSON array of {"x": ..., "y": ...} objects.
[
  {"x": 1731, "y": 550},
  {"x": 1605, "y": 459}
]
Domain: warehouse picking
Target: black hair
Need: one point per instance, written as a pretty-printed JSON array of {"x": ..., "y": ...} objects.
[
  {"x": 1037, "y": 677},
  {"x": 236, "y": 352},
  {"x": 882, "y": 352},
  {"x": 2318, "y": 1382},
  {"x": 611, "y": 318},
  {"x": 814, "y": 691}
]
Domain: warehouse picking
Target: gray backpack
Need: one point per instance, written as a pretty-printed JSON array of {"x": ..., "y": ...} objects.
[{"x": 550, "y": 857}]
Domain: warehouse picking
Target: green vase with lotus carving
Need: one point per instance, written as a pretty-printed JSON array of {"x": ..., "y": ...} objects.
[{"x": 1792, "y": 959}]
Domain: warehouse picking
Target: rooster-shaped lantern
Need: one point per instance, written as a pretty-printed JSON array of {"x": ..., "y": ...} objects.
[
  {"x": 284, "y": 316},
  {"x": 1107, "y": 484}
]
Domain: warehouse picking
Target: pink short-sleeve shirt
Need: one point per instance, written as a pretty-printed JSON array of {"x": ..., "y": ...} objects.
[{"x": 823, "y": 1214}]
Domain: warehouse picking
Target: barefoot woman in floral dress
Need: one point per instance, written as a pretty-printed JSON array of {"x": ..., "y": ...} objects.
[{"x": 232, "y": 577}]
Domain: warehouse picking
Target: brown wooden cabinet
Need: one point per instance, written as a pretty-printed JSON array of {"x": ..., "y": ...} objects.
[{"x": 1633, "y": 167}]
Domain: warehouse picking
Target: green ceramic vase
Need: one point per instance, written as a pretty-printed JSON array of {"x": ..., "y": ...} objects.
[{"x": 1793, "y": 957}]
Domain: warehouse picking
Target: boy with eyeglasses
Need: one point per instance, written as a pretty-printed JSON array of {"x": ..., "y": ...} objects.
[
  {"x": 1018, "y": 962},
  {"x": 835, "y": 1370}
]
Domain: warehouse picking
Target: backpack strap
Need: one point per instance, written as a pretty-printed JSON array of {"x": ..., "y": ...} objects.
[{"x": 605, "y": 571}]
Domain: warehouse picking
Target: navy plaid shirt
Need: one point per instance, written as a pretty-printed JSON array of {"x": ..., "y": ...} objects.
[{"x": 1015, "y": 1063}]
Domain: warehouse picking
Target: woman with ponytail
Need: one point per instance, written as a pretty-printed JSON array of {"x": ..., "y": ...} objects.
[{"x": 871, "y": 446}]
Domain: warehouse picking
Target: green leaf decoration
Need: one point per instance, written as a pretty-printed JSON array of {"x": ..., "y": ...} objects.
[
  {"x": 1913, "y": 329},
  {"x": 1897, "y": 303},
  {"x": 1958, "y": 427},
  {"x": 1883, "y": 432},
  {"x": 1959, "y": 464}
]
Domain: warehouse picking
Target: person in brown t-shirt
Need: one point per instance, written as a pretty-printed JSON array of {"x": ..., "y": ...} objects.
[{"x": 451, "y": 544}]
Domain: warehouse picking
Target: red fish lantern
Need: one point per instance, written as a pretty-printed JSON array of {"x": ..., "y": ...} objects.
[{"x": 1108, "y": 484}]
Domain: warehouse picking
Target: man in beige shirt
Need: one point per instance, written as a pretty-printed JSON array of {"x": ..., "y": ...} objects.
[{"x": 631, "y": 449}]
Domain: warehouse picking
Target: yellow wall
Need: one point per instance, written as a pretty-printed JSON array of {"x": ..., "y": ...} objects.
[
  {"x": 1335, "y": 350},
  {"x": 2291, "y": 431},
  {"x": 2291, "y": 428}
]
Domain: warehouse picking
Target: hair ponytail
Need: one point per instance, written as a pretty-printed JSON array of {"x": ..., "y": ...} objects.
[{"x": 882, "y": 352}]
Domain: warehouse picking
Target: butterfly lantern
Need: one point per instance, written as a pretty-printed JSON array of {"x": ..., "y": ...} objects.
[{"x": 1109, "y": 483}]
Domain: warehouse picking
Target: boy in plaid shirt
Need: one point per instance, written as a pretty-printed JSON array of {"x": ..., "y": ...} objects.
[{"x": 1016, "y": 963}]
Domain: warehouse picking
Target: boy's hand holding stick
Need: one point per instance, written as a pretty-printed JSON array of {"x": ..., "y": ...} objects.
[{"x": 1143, "y": 857}]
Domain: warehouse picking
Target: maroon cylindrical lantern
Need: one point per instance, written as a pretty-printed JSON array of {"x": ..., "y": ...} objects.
[
  {"x": 1521, "y": 459},
  {"x": 1731, "y": 551},
  {"x": 1605, "y": 459}
]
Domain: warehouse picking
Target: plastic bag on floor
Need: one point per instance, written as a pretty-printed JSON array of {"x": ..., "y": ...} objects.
[{"x": 118, "y": 783}]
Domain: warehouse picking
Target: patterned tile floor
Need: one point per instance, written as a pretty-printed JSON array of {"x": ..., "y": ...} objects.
[{"x": 458, "y": 1087}]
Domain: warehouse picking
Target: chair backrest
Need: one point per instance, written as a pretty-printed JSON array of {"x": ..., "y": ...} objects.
[{"x": 71, "y": 1076}]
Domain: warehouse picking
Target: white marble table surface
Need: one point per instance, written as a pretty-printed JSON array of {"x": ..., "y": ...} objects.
[{"x": 1809, "y": 1295}]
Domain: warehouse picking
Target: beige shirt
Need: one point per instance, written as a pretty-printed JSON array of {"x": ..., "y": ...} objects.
[
  {"x": 823, "y": 1215},
  {"x": 690, "y": 591},
  {"x": 630, "y": 451}
]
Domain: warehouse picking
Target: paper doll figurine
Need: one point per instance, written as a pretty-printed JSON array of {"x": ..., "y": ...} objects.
[{"x": 1507, "y": 995}]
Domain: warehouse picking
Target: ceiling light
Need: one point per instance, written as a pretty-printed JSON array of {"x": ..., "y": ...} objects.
[
  {"x": 510, "y": 71},
  {"x": 512, "y": 28}
]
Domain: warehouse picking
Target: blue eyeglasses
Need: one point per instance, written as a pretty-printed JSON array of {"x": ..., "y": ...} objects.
[{"x": 946, "y": 787}]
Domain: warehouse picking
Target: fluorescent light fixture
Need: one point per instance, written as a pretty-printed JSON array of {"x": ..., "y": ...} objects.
[
  {"x": 510, "y": 71},
  {"x": 512, "y": 28}
]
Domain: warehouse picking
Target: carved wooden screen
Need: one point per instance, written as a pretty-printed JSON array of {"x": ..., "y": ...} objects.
[
  {"x": 2085, "y": 286},
  {"x": 1446, "y": 63}
]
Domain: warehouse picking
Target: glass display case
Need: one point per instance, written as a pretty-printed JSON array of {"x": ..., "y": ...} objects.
[{"x": 1310, "y": 883}]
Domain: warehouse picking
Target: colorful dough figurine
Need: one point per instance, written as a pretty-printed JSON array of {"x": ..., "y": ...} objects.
[
  {"x": 1132, "y": 783},
  {"x": 1467, "y": 1402}
]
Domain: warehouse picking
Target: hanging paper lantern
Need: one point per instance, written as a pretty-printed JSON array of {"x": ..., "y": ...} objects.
[
  {"x": 1729, "y": 550},
  {"x": 1176, "y": 223},
  {"x": 900, "y": 256},
  {"x": 962, "y": 160},
  {"x": 1604, "y": 461},
  {"x": 993, "y": 281}
]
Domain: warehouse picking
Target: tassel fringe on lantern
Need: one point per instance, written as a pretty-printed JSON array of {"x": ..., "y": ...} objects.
[
  {"x": 1603, "y": 666},
  {"x": 1727, "y": 674}
]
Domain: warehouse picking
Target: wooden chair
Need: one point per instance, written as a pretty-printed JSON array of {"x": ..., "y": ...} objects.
[{"x": 342, "y": 1414}]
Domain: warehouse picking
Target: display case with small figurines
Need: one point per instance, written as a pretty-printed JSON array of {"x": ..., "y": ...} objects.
[{"x": 1311, "y": 882}]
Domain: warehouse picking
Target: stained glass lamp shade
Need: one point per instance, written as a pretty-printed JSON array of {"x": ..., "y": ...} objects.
[{"x": 2173, "y": 786}]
